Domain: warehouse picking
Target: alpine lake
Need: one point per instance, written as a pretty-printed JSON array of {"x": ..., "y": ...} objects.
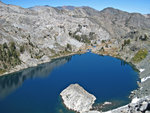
[{"x": 37, "y": 89}]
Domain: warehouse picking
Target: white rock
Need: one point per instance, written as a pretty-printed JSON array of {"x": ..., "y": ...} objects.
[
  {"x": 135, "y": 100},
  {"x": 91, "y": 112},
  {"x": 77, "y": 99},
  {"x": 25, "y": 56},
  {"x": 107, "y": 103},
  {"x": 143, "y": 106},
  {"x": 108, "y": 112}
]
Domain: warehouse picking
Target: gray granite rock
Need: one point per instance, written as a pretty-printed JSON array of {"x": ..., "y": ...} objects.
[
  {"x": 77, "y": 99},
  {"x": 136, "y": 106}
]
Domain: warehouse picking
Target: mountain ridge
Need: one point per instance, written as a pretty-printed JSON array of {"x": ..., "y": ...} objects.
[
  {"x": 73, "y": 7},
  {"x": 76, "y": 26}
]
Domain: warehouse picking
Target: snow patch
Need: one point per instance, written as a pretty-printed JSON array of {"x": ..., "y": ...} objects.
[
  {"x": 144, "y": 79},
  {"x": 135, "y": 100},
  {"x": 108, "y": 112},
  {"x": 141, "y": 70}
]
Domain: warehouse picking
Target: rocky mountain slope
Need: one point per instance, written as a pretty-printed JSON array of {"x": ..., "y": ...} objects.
[
  {"x": 41, "y": 32},
  {"x": 34, "y": 35}
]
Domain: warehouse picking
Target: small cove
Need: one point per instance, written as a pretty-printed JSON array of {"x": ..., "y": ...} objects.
[{"x": 37, "y": 89}]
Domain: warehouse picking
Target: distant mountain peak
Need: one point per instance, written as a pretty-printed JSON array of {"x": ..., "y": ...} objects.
[
  {"x": 88, "y": 8},
  {"x": 1, "y": 2},
  {"x": 110, "y": 9},
  {"x": 66, "y": 7},
  {"x": 46, "y": 6}
]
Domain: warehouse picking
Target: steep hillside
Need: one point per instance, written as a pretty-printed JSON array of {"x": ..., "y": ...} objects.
[
  {"x": 41, "y": 32},
  {"x": 36, "y": 35}
]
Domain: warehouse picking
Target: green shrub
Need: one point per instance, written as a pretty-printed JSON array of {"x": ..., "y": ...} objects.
[
  {"x": 103, "y": 41},
  {"x": 5, "y": 66},
  {"x": 30, "y": 43},
  {"x": 140, "y": 55},
  {"x": 12, "y": 46},
  {"x": 9, "y": 55},
  {"x": 84, "y": 38},
  {"x": 126, "y": 42},
  {"x": 5, "y": 45},
  {"x": 70, "y": 34},
  {"x": 92, "y": 35},
  {"x": 69, "y": 47},
  {"x": 102, "y": 49},
  {"x": 22, "y": 49},
  {"x": 143, "y": 37},
  {"x": 77, "y": 37},
  {"x": 2, "y": 71}
]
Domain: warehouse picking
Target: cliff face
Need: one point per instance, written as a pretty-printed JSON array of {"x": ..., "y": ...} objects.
[{"x": 37, "y": 34}]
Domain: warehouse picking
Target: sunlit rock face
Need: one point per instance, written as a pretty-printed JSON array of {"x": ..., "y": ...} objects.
[
  {"x": 77, "y": 99},
  {"x": 45, "y": 31}
]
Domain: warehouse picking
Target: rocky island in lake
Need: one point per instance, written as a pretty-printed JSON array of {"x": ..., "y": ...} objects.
[{"x": 77, "y": 99}]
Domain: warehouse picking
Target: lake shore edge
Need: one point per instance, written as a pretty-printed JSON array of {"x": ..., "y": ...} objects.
[
  {"x": 24, "y": 66},
  {"x": 132, "y": 95}
]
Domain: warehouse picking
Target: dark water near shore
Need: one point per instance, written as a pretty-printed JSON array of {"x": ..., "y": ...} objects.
[{"x": 36, "y": 90}]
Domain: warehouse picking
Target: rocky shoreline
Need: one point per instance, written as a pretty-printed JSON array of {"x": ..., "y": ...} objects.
[
  {"x": 141, "y": 93},
  {"x": 140, "y": 97},
  {"x": 25, "y": 66},
  {"x": 142, "y": 67},
  {"x": 77, "y": 99}
]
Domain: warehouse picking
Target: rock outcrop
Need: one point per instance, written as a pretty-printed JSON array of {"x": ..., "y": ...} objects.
[
  {"x": 77, "y": 99},
  {"x": 141, "y": 105}
]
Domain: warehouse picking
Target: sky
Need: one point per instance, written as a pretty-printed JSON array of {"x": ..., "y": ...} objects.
[{"x": 141, "y": 6}]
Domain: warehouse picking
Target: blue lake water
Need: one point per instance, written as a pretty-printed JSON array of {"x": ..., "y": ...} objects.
[{"x": 36, "y": 90}]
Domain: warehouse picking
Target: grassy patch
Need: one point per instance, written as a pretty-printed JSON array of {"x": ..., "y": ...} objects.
[
  {"x": 60, "y": 54},
  {"x": 2, "y": 71},
  {"x": 140, "y": 55}
]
